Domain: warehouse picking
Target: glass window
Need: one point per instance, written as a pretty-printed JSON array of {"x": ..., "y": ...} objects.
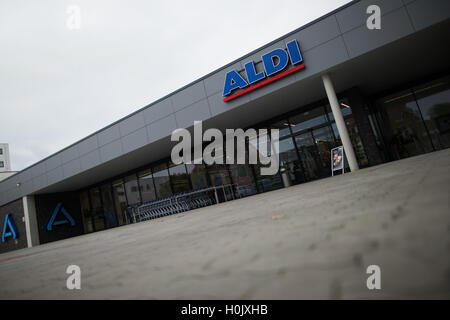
[
  {"x": 1, "y": 151},
  {"x": 86, "y": 212},
  {"x": 345, "y": 109},
  {"x": 243, "y": 179},
  {"x": 120, "y": 201},
  {"x": 289, "y": 159},
  {"x": 146, "y": 185},
  {"x": 324, "y": 140},
  {"x": 434, "y": 103},
  {"x": 131, "y": 188},
  {"x": 2, "y": 164},
  {"x": 218, "y": 174},
  {"x": 309, "y": 156},
  {"x": 179, "y": 178},
  {"x": 357, "y": 144},
  {"x": 197, "y": 172},
  {"x": 404, "y": 129},
  {"x": 108, "y": 206},
  {"x": 162, "y": 180},
  {"x": 97, "y": 209},
  {"x": 264, "y": 182},
  {"x": 283, "y": 126},
  {"x": 308, "y": 119}
]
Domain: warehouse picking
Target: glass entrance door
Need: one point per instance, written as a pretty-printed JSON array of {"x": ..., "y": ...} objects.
[
  {"x": 309, "y": 155},
  {"x": 324, "y": 141},
  {"x": 314, "y": 147}
]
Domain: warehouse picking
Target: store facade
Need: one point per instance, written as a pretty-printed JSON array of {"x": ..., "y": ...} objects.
[{"x": 393, "y": 91}]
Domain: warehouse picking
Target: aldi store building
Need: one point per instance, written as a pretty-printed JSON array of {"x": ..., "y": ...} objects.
[{"x": 384, "y": 94}]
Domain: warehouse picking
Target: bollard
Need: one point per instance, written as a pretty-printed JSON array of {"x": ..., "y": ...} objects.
[{"x": 285, "y": 177}]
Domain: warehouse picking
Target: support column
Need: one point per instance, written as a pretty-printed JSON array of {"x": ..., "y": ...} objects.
[
  {"x": 340, "y": 123},
  {"x": 31, "y": 225}
]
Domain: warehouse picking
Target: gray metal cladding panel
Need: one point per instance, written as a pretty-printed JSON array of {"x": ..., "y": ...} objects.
[
  {"x": 40, "y": 182},
  {"x": 355, "y": 15},
  {"x": 108, "y": 135},
  {"x": 69, "y": 154},
  {"x": 158, "y": 111},
  {"x": 218, "y": 106},
  {"x": 71, "y": 168},
  {"x": 198, "y": 111},
  {"x": 322, "y": 58},
  {"x": 316, "y": 34},
  {"x": 134, "y": 140},
  {"x": 424, "y": 13},
  {"x": 26, "y": 187},
  {"x": 16, "y": 210},
  {"x": 9, "y": 184},
  {"x": 394, "y": 25},
  {"x": 11, "y": 181},
  {"x": 38, "y": 169},
  {"x": 53, "y": 162},
  {"x": 90, "y": 160},
  {"x": 161, "y": 128},
  {"x": 188, "y": 96},
  {"x": 87, "y": 145},
  {"x": 215, "y": 82},
  {"x": 131, "y": 124},
  {"x": 55, "y": 175},
  {"x": 111, "y": 150}
]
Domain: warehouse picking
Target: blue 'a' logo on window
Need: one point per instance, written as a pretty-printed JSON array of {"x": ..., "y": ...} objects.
[
  {"x": 68, "y": 218},
  {"x": 9, "y": 228}
]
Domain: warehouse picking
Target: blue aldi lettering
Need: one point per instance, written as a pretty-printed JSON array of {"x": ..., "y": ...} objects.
[
  {"x": 233, "y": 81},
  {"x": 9, "y": 228},
  {"x": 51, "y": 222},
  {"x": 274, "y": 62}
]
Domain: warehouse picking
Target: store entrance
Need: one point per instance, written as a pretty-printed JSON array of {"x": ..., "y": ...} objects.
[
  {"x": 416, "y": 120},
  {"x": 314, "y": 147}
]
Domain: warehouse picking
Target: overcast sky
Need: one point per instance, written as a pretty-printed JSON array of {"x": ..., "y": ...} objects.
[{"x": 58, "y": 85}]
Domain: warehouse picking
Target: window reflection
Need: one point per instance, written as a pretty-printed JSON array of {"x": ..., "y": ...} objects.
[
  {"x": 131, "y": 188},
  {"x": 345, "y": 109},
  {"x": 120, "y": 201},
  {"x": 434, "y": 103},
  {"x": 108, "y": 206},
  {"x": 264, "y": 182},
  {"x": 179, "y": 178},
  {"x": 308, "y": 119},
  {"x": 308, "y": 156},
  {"x": 97, "y": 209},
  {"x": 243, "y": 179},
  {"x": 146, "y": 185},
  {"x": 86, "y": 212},
  {"x": 404, "y": 129},
  {"x": 218, "y": 174},
  {"x": 283, "y": 126},
  {"x": 197, "y": 173},
  {"x": 162, "y": 180},
  {"x": 289, "y": 160},
  {"x": 324, "y": 140}
]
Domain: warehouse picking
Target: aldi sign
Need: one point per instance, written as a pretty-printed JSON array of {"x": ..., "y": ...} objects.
[{"x": 275, "y": 63}]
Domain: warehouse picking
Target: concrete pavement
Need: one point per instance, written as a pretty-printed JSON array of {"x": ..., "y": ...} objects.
[{"x": 313, "y": 240}]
